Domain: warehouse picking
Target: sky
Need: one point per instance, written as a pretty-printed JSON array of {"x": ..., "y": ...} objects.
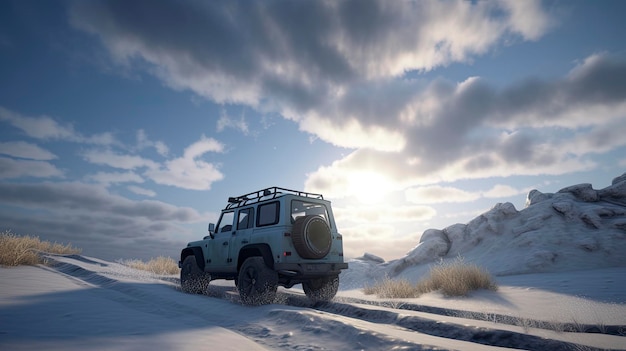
[{"x": 126, "y": 125}]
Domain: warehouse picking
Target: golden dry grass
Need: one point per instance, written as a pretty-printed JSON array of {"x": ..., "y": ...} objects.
[
  {"x": 16, "y": 250},
  {"x": 450, "y": 278},
  {"x": 160, "y": 265},
  {"x": 390, "y": 288},
  {"x": 457, "y": 279}
]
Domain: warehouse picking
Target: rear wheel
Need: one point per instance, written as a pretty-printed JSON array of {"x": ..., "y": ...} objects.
[
  {"x": 257, "y": 283},
  {"x": 192, "y": 279},
  {"x": 321, "y": 289}
]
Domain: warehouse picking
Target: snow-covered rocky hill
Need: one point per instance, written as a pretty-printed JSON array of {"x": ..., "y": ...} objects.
[{"x": 576, "y": 228}]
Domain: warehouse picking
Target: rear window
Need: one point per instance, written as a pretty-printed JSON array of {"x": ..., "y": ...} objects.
[
  {"x": 302, "y": 208},
  {"x": 267, "y": 214}
]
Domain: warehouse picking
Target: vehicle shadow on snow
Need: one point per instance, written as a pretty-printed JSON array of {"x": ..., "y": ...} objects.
[{"x": 116, "y": 310}]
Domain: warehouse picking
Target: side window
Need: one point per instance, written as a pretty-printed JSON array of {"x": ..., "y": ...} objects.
[
  {"x": 244, "y": 220},
  {"x": 226, "y": 222},
  {"x": 267, "y": 214}
]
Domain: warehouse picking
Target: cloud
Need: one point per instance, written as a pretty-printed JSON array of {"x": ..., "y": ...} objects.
[
  {"x": 190, "y": 171},
  {"x": 226, "y": 121},
  {"x": 527, "y": 18},
  {"x": 500, "y": 190},
  {"x": 21, "y": 149},
  {"x": 353, "y": 134},
  {"x": 144, "y": 142},
  {"x": 42, "y": 127},
  {"x": 446, "y": 194},
  {"x": 383, "y": 214},
  {"x": 141, "y": 191},
  {"x": 84, "y": 198},
  {"x": 308, "y": 61},
  {"x": 46, "y": 128},
  {"x": 13, "y": 169},
  {"x": 367, "y": 238},
  {"x": 115, "y": 160},
  {"x": 439, "y": 194},
  {"x": 115, "y": 177},
  {"x": 597, "y": 139}
]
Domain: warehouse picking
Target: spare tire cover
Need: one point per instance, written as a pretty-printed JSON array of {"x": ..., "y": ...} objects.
[{"x": 311, "y": 237}]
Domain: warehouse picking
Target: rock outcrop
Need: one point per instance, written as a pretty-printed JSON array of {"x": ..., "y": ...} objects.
[{"x": 576, "y": 228}]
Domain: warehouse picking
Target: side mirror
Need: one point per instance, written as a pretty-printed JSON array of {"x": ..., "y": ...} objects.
[{"x": 211, "y": 229}]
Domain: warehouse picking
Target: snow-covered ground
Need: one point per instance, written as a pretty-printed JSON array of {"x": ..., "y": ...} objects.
[
  {"x": 560, "y": 264},
  {"x": 82, "y": 303}
]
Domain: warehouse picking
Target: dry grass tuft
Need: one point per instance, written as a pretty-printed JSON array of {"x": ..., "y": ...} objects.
[
  {"x": 161, "y": 265},
  {"x": 456, "y": 279},
  {"x": 388, "y": 288},
  {"x": 16, "y": 250},
  {"x": 450, "y": 278}
]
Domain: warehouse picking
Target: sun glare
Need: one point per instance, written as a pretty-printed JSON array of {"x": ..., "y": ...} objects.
[{"x": 369, "y": 188}]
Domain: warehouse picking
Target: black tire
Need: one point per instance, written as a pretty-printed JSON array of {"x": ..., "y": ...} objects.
[
  {"x": 257, "y": 283},
  {"x": 321, "y": 289},
  {"x": 311, "y": 237},
  {"x": 192, "y": 279}
]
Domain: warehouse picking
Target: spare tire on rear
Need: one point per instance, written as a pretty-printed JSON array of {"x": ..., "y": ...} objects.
[{"x": 311, "y": 237}]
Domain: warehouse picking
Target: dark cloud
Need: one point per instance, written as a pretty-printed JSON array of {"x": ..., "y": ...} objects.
[
  {"x": 601, "y": 79},
  {"x": 517, "y": 148},
  {"x": 294, "y": 54},
  {"x": 203, "y": 30},
  {"x": 12, "y": 168},
  {"x": 85, "y": 197},
  {"x": 265, "y": 44},
  {"x": 90, "y": 217},
  {"x": 472, "y": 117},
  {"x": 98, "y": 237}
]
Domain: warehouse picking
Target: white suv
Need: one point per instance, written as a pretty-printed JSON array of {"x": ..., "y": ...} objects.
[{"x": 267, "y": 238}]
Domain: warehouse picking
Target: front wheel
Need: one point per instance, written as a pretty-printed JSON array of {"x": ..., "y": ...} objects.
[
  {"x": 321, "y": 289},
  {"x": 257, "y": 282},
  {"x": 192, "y": 279}
]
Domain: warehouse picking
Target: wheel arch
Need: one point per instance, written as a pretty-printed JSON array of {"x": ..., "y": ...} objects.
[
  {"x": 253, "y": 250},
  {"x": 197, "y": 252}
]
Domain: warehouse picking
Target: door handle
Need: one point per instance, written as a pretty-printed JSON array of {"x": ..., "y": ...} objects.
[
  {"x": 244, "y": 241},
  {"x": 225, "y": 243}
]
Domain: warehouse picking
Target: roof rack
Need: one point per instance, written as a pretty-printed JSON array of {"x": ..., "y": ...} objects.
[{"x": 267, "y": 194}]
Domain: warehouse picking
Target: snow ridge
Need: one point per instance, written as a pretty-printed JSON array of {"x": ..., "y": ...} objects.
[{"x": 576, "y": 228}]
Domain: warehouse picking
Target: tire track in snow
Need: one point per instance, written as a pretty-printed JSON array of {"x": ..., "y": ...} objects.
[
  {"x": 479, "y": 335},
  {"x": 617, "y": 330},
  {"x": 233, "y": 316},
  {"x": 344, "y": 308}
]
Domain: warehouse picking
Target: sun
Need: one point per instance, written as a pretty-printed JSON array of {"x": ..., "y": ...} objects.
[{"x": 369, "y": 188}]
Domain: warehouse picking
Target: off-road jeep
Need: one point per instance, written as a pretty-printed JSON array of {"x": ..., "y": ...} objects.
[{"x": 268, "y": 238}]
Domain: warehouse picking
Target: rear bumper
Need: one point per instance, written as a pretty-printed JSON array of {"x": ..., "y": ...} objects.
[{"x": 303, "y": 270}]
